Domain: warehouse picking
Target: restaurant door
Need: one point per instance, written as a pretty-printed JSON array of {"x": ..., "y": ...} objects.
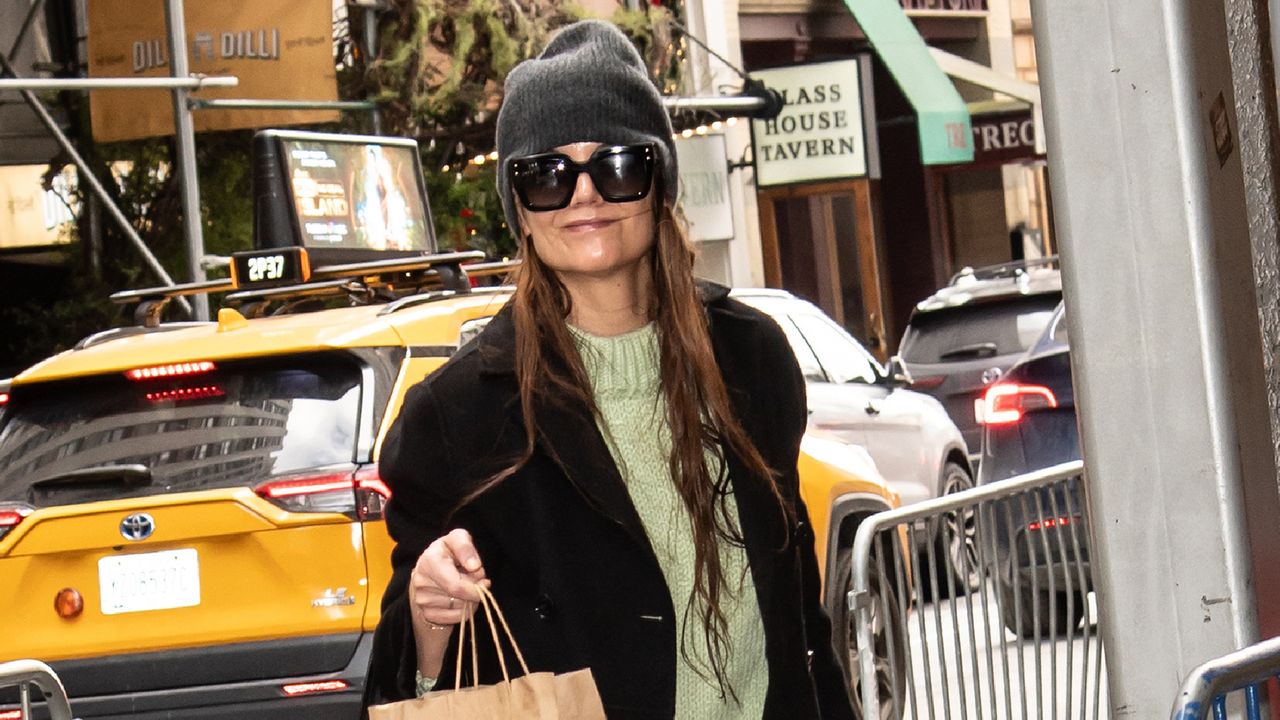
[{"x": 819, "y": 243}]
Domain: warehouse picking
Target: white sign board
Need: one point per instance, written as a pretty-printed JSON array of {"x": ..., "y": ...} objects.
[
  {"x": 704, "y": 186},
  {"x": 819, "y": 134}
]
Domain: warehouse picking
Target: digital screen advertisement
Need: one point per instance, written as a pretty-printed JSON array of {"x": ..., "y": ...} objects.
[{"x": 360, "y": 196}]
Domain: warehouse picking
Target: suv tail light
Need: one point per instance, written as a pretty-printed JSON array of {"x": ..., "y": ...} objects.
[
  {"x": 361, "y": 494},
  {"x": 10, "y": 516},
  {"x": 1006, "y": 403}
]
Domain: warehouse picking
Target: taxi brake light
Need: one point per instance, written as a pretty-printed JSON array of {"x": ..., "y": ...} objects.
[
  {"x": 191, "y": 393},
  {"x": 4, "y": 400},
  {"x": 333, "y": 492},
  {"x": 1006, "y": 403},
  {"x": 10, "y": 715},
  {"x": 155, "y": 372},
  {"x": 371, "y": 493},
  {"x": 10, "y": 517},
  {"x": 311, "y": 688},
  {"x": 1049, "y": 522}
]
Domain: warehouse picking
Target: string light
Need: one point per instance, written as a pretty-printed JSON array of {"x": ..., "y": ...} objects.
[
  {"x": 444, "y": 169},
  {"x": 493, "y": 155},
  {"x": 731, "y": 121},
  {"x": 717, "y": 125},
  {"x": 478, "y": 160},
  {"x": 702, "y": 130},
  {"x": 687, "y": 132}
]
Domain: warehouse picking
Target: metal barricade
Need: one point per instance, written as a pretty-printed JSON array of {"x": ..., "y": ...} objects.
[
  {"x": 1208, "y": 685},
  {"x": 26, "y": 673},
  {"x": 977, "y": 604}
]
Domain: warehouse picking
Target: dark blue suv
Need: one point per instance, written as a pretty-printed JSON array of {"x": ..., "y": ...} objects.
[{"x": 1028, "y": 423}]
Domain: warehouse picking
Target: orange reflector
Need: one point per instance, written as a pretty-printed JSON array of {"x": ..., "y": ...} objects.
[
  {"x": 69, "y": 603},
  {"x": 311, "y": 688},
  {"x": 168, "y": 371}
]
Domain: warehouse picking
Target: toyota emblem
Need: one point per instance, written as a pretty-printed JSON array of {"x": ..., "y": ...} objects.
[
  {"x": 137, "y": 526},
  {"x": 991, "y": 375}
]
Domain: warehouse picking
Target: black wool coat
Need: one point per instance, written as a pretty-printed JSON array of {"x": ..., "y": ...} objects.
[{"x": 571, "y": 565}]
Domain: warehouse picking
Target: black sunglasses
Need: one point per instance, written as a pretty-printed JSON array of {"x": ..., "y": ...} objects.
[{"x": 621, "y": 173}]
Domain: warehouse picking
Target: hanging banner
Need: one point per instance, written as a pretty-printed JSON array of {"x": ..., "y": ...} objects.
[
  {"x": 819, "y": 133},
  {"x": 279, "y": 49}
]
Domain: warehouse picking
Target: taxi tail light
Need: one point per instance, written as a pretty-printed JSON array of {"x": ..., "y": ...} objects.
[
  {"x": 4, "y": 399},
  {"x": 1007, "y": 403},
  {"x": 10, "y": 715},
  {"x": 371, "y": 494},
  {"x": 158, "y": 372},
  {"x": 328, "y": 493},
  {"x": 10, "y": 517}
]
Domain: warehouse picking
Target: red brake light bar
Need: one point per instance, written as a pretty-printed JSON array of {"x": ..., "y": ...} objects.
[
  {"x": 4, "y": 400},
  {"x": 168, "y": 371},
  {"x": 1049, "y": 522},
  {"x": 310, "y": 688},
  {"x": 1006, "y": 403},
  {"x": 294, "y": 487},
  {"x": 192, "y": 393},
  {"x": 10, "y": 715}
]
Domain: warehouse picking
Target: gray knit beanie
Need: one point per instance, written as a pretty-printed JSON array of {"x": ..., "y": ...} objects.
[{"x": 588, "y": 85}]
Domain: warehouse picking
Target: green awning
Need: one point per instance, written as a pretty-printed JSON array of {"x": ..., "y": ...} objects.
[{"x": 943, "y": 119}]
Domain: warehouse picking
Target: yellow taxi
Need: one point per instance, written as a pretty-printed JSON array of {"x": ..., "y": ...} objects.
[{"x": 191, "y": 514}]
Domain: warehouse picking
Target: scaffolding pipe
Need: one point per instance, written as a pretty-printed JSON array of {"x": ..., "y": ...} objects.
[
  {"x": 87, "y": 175},
  {"x": 185, "y": 141},
  {"x": 246, "y": 104},
  {"x": 741, "y": 104},
  {"x": 194, "y": 82}
]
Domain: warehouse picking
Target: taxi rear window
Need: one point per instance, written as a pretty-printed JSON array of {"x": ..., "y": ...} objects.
[{"x": 200, "y": 427}]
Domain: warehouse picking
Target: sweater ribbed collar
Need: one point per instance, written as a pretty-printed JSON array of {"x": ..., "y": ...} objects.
[{"x": 623, "y": 365}]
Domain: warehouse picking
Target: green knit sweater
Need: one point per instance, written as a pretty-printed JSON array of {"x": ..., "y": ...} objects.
[{"x": 624, "y": 377}]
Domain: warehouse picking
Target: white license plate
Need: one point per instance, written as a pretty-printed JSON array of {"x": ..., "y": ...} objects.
[{"x": 149, "y": 581}]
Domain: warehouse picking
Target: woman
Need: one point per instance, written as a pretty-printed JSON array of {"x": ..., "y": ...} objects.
[{"x": 616, "y": 452}]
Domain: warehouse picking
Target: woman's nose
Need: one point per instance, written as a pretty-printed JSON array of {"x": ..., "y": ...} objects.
[{"x": 584, "y": 191}]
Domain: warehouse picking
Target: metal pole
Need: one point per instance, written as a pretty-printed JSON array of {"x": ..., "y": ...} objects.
[
  {"x": 721, "y": 104},
  {"x": 185, "y": 139},
  {"x": 248, "y": 104},
  {"x": 371, "y": 51},
  {"x": 193, "y": 82},
  {"x": 87, "y": 176}
]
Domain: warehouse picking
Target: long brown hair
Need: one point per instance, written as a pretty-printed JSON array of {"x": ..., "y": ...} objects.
[{"x": 698, "y": 408}]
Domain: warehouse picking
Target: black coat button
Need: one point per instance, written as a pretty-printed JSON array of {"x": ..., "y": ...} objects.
[{"x": 544, "y": 609}]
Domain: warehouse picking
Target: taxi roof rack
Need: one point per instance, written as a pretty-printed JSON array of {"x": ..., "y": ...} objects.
[{"x": 363, "y": 282}]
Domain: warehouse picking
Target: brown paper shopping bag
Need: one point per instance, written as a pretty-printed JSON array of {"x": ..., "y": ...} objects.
[{"x": 535, "y": 696}]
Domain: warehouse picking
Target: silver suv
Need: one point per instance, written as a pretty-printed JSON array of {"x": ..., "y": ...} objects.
[{"x": 966, "y": 335}]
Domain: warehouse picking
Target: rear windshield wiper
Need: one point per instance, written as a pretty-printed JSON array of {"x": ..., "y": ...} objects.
[
  {"x": 976, "y": 350},
  {"x": 95, "y": 478}
]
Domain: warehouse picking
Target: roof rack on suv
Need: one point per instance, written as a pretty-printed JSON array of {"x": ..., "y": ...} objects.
[
  {"x": 365, "y": 282},
  {"x": 1003, "y": 270}
]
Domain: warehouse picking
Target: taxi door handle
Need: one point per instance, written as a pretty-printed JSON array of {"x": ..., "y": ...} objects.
[{"x": 872, "y": 409}]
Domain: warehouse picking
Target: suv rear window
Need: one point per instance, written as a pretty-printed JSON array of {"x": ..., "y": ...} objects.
[
  {"x": 233, "y": 425},
  {"x": 979, "y": 330}
]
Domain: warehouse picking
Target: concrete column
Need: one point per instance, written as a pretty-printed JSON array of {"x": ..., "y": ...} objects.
[{"x": 1176, "y": 429}]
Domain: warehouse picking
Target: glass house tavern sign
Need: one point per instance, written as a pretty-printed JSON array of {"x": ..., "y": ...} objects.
[{"x": 819, "y": 133}]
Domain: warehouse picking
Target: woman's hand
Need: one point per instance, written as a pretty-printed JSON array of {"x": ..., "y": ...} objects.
[{"x": 442, "y": 589}]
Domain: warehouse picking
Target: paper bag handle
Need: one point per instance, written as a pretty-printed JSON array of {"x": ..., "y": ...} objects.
[{"x": 490, "y": 605}]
